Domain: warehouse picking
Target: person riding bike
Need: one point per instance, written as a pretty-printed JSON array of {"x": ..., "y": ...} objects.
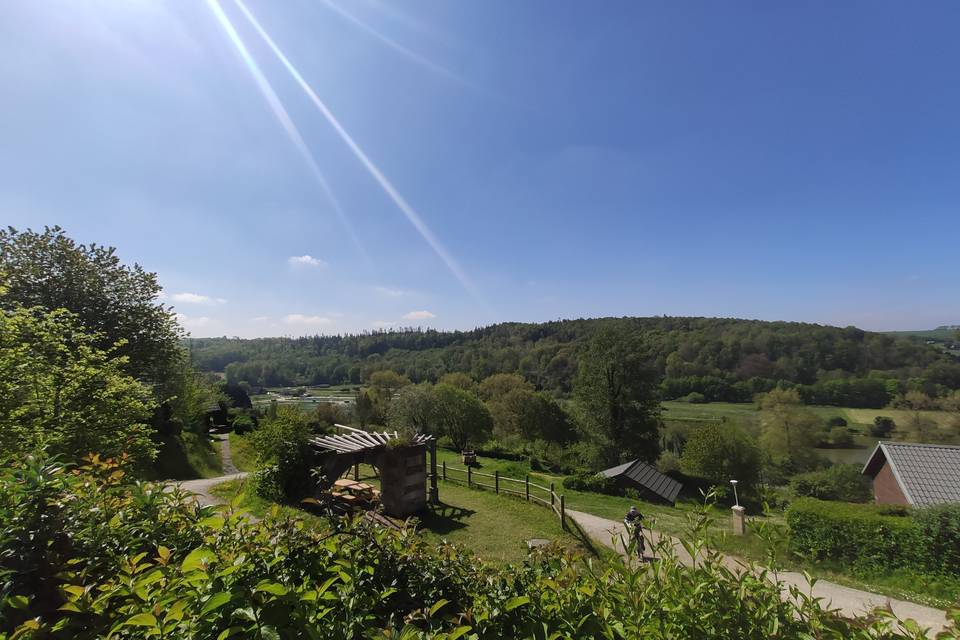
[{"x": 634, "y": 522}]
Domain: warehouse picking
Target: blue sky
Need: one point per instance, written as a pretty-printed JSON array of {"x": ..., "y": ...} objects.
[{"x": 520, "y": 160}]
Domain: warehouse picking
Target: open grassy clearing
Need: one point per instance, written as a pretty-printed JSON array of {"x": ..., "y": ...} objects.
[{"x": 494, "y": 527}]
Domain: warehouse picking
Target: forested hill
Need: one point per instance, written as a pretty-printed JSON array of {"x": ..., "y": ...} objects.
[{"x": 724, "y": 359}]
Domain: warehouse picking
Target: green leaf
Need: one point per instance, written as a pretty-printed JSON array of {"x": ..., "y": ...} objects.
[
  {"x": 275, "y": 588},
  {"x": 141, "y": 620},
  {"x": 21, "y": 602},
  {"x": 456, "y": 633},
  {"x": 519, "y": 601},
  {"x": 197, "y": 558},
  {"x": 213, "y": 522},
  {"x": 216, "y": 601},
  {"x": 439, "y": 604}
]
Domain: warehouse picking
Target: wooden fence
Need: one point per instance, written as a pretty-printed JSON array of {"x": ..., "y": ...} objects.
[{"x": 527, "y": 490}]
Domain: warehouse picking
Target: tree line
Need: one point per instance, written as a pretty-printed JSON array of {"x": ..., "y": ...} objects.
[{"x": 716, "y": 359}]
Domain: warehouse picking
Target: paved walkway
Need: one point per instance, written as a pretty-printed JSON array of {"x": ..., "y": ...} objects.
[{"x": 850, "y": 602}]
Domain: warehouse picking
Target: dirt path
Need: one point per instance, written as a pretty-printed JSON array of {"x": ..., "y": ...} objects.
[
  {"x": 201, "y": 488},
  {"x": 226, "y": 461},
  {"x": 850, "y": 602}
]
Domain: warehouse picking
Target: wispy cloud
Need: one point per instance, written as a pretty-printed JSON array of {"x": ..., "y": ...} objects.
[
  {"x": 260, "y": 319},
  {"x": 419, "y": 315},
  {"x": 306, "y": 261},
  {"x": 195, "y": 298},
  {"x": 300, "y": 319},
  {"x": 381, "y": 324},
  {"x": 390, "y": 293},
  {"x": 191, "y": 322}
]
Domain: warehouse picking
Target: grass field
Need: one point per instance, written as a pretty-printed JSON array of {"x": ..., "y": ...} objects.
[{"x": 242, "y": 452}]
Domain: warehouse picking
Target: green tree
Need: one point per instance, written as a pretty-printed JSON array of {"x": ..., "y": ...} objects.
[
  {"x": 882, "y": 427},
  {"x": 461, "y": 416},
  {"x": 60, "y": 391},
  {"x": 415, "y": 407},
  {"x": 616, "y": 395},
  {"x": 788, "y": 432},
  {"x": 283, "y": 454},
  {"x": 363, "y": 408},
  {"x": 522, "y": 413},
  {"x": 500, "y": 384},
  {"x": 114, "y": 302},
  {"x": 720, "y": 453},
  {"x": 459, "y": 380}
]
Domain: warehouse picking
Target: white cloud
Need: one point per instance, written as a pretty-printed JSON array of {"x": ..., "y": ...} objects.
[
  {"x": 306, "y": 261},
  {"x": 191, "y": 322},
  {"x": 195, "y": 298},
  {"x": 305, "y": 320},
  {"x": 419, "y": 315},
  {"x": 390, "y": 293},
  {"x": 260, "y": 319},
  {"x": 381, "y": 324}
]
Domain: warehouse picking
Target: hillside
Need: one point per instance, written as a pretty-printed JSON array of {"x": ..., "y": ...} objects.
[{"x": 725, "y": 359}]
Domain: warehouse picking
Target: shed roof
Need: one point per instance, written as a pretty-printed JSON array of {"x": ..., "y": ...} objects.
[
  {"x": 357, "y": 440},
  {"x": 648, "y": 477},
  {"x": 928, "y": 474}
]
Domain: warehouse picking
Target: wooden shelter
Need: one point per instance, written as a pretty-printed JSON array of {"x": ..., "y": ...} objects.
[
  {"x": 650, "y": 483},
  {"x": 402, "y": 467}
]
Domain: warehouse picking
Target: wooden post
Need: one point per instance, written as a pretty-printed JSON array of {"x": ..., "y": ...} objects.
[
  {"x": 563, "y": 514},
  {"x": 469, "y": 476},
  {"x": 434, "y": 492},
  {"x": 444, "y": 470},
  {"x": 356, "y": 470},
  {"x": 553, "y": 496},
  {"x": 496, "y": 482},
  {"x": 527, "y": 483}
]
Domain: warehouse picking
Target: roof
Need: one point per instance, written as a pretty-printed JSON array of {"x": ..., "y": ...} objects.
[
  {"x": 928, "y": 474},
  {"x": 648, "y": 477},
  {"x": 358, "y": 440}
]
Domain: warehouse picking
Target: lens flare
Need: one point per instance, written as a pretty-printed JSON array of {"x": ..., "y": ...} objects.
[
  {"x": 285, "y": 121},
  {"x": 396, "y": 46},
  {"x": 413, "y": 217}
]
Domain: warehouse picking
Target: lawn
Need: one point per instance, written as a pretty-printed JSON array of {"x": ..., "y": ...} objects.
[
  {"x": 242, "y": 452},
  {"x": 494, "y": 527}
]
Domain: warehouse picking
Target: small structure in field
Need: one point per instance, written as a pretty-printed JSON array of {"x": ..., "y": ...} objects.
[
  {"x": 401, "y": 466},
  {"x": 919, "y": 475},
  {"x": 651, "y": 484}
]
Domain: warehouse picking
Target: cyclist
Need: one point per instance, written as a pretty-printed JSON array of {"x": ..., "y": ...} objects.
[{"x": 634, "y": 520}]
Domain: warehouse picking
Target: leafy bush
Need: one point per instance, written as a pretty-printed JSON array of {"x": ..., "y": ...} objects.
[
  {"x": 882, "y": 427},
  {"x": 695, "y": 397},
  {"x": 836, "y": 421},
  {"x": 283, "y": 455},
  {"x": 87, "y": 553},
  {"x": 840, "y": 482},
  {"x": 878, "y": 536},
  {"x": 592, "y": 482},
  {"x": 940, "y": 530},
  {"x": 861, "y": 536},
  {"x": 840, "y": 437}
]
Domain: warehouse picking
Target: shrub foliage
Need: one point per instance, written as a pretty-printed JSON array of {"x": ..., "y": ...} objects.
[{"x": 88, "y": 553}]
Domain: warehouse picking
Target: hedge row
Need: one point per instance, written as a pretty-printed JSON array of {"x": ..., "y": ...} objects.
[{"x": 877, "y": 536}]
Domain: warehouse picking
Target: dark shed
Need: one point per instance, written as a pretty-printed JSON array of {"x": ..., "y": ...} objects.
[{"x": 643, "y": 477}]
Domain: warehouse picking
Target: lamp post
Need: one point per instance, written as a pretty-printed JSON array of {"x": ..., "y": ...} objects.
[{"x": 739, "y": 519}]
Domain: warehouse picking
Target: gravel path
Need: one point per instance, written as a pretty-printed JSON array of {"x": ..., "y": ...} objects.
[{"x": 850, "y": 602}]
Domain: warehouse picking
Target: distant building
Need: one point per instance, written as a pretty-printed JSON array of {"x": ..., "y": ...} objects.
[
  {"x": 919, "y": 475},
  {"x": 651, "y": 484}
]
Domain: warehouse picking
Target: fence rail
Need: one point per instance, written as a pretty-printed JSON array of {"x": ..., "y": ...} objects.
[{"x": 556, "y": 503}]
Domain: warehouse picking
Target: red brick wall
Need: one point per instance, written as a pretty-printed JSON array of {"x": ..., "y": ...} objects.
[{"x": 886, "y": 489}]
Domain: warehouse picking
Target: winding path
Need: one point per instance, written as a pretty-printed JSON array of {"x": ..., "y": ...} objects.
[{"x": 850, "y": 602}]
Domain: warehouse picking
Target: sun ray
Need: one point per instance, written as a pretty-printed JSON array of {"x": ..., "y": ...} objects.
[
  {"x": 396, "y": 46},
  {"x": 412, "y": 216},
  {"x": 280, "y": 112}
]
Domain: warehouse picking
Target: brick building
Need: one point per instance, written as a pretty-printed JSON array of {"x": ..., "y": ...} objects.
[{"x": 918, "y": 475}]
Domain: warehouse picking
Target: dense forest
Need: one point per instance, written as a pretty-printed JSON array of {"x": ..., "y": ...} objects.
[{"x": 716, "y": 359}]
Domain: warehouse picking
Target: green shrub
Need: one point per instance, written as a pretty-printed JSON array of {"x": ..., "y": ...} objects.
[
  {"x": 857, "y": 535},
  {"x": 882, "y": 427},
  {"x": 592, "y": 482},
  {"x": 940, "y": 530},
  {"x": 90, "y": 554},
  {"x": 840, "y": 482}
]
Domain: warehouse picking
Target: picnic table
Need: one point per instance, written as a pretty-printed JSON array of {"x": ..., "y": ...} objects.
[{"x": 353, "y": 491}]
